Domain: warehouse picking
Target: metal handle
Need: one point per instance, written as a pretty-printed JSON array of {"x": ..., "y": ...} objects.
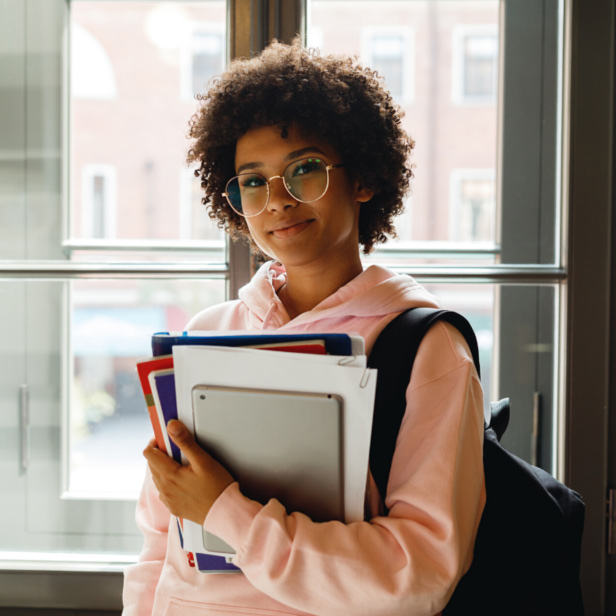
[
  {"x": 534, "y": 436},
  {"x": 24, "y": 426}
]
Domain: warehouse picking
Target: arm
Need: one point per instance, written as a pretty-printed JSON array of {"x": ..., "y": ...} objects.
[{"x": 140, "y": 579}]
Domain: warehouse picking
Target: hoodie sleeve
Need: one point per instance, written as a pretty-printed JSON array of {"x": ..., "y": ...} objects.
[
  {"x": 408, "y": 561},
  {"x": 141, "y": 579}
]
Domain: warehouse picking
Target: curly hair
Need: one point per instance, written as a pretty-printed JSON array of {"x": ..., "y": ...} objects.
[{"x": 331, "y": 98}]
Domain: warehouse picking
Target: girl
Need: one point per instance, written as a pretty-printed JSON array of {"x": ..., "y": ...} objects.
[{"x": 305, "y": 156}]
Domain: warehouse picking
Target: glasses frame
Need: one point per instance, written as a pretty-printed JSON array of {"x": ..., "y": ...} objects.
[{"x": 328, "y": 168}]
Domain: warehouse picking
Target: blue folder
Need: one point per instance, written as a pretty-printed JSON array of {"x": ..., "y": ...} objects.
[{"x": 163, "y": 342}]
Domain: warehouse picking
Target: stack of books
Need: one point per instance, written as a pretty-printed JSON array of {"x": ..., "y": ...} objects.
[{"x": 289, "y": 415}]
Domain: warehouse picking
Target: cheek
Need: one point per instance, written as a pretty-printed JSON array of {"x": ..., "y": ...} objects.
[
  {"x": 253, "y": 230},
  {"x": 260, "y": 239}
]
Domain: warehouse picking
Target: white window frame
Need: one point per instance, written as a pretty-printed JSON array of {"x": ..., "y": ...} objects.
[
  {"x": 109, "y": 173},
  {"x": 407, "y": 33},
  {"x": 460, "y": 33},
  {"x": 456, "y": 178}
]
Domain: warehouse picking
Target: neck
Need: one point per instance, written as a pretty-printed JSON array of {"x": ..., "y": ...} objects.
[{"x": 307, "y": 287}]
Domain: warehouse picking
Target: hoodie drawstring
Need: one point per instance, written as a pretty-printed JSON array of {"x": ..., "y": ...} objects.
[{"x": 269, "y": 314}]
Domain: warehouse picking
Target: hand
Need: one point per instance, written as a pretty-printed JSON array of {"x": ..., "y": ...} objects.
[{"x": 187, "y": 491}]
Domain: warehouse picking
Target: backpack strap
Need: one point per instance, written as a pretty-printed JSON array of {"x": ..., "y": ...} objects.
[{"x": 393, "y": 355}]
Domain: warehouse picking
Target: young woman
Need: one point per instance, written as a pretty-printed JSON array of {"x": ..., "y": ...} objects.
[{"x": 304, "y": 155}]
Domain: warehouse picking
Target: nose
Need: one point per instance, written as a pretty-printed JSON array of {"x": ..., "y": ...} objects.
[{"x": 279, "y": 197}]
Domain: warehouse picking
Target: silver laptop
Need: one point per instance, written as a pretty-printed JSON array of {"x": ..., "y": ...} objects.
[{"x": 282, "y": 445}]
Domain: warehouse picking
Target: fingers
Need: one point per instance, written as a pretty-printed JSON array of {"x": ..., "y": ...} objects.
[
  {"x": 187, "y": 491},
  {"x": 186, "y": 442}
]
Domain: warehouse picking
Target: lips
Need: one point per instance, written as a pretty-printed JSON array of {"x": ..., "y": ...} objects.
[{"x": 289, "y": 228}]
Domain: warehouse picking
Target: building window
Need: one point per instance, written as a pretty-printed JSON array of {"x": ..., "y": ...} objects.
[
  {"x": 98, "y": 202},
  {"x": 195, "y": 223},
  {"x": 475, "y": 64},
  {"x": 472, "y": 205},
  {"x": 203, "y": 58},
  {"x": 389, "y": 51}
]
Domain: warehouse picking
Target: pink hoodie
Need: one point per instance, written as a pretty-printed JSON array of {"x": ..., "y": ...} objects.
[{"x": 407, "y": 562}]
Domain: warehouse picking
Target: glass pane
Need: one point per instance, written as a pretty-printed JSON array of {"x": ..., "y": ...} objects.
[
  {"x": 439, "y": 59},
  {"x": 522, "y": 365},
  {"x": 476, "y": 303},
  {"x": 135, "y": 68},
  {"x": 111, "y": 323},
  {"x": 13, "y": 148}
]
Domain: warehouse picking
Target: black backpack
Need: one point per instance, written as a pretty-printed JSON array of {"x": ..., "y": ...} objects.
[{"x": 527, "y": 553}]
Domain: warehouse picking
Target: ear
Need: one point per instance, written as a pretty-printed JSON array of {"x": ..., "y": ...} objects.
[{"x": 363, "y": 194}]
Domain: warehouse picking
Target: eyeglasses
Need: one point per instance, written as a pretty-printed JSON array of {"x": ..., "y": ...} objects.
[{"x": 306, "y": 180}]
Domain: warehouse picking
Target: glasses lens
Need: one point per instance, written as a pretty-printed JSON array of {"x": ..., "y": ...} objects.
[
  {"x": 247, "y": 193},
  {"x": 306, "y": 179}
]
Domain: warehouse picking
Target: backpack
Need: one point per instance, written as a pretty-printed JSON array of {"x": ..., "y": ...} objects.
[{"x": 526, "y": 558}]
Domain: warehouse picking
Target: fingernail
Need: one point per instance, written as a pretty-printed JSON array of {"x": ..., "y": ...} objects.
[{"x": 173, "y": 427}]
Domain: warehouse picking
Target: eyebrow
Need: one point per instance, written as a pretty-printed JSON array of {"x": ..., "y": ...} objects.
[{"x": 289, "y": 156}]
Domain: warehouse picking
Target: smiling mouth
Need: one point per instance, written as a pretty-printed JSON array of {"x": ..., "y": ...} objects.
[{"x": 292, "y": 228}]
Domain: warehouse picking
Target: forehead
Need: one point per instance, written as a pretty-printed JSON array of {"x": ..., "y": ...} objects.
[{"x": 272, "y": 144}]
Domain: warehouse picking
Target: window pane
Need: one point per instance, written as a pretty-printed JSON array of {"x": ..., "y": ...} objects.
[
  {"x": 425, "y": 51},
  {"x": 111, "y": 323},
  {"x": 522, "y": 365},
  {"x": 135, "y": 68}
]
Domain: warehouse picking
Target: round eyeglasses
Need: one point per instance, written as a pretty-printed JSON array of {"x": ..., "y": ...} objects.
[{"x": 306, "y": 180}]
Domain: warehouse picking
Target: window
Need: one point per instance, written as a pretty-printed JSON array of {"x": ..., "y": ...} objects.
[
  {"x": 389, "y": 51},
  {"x": 101, "y": 189},
  {"x": 545, "y": 66},
  {"x": 98, "y": 201},
  {"x": 203, "y": 57},
  {"x": 195, "y": 224},
  {"x": 475, "y": 64},
  {"x": 472, "y": 205},
  {"x": 140, "y": 133},
  {"x": 110, "y": 324}
]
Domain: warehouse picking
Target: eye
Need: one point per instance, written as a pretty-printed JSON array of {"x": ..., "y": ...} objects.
[
  {"x": 306, "y": 166},
  {"x": 252, "y": 180}
]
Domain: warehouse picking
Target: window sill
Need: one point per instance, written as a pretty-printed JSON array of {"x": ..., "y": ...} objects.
[{"x": 62, "y": 581}]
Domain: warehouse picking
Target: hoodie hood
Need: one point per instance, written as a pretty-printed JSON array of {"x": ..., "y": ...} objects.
[{"x": 376, "y": 292}]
